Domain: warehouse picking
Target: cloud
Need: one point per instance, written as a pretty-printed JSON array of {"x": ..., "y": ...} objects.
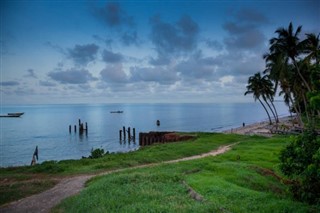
[
  {"x": 72, "y": 76},
  {"x": 174, "y": 38},
  {"x": 114, "y": 74},
  {"x": 83, "y": 54},
  {"x": 106, "y": 41},
  {"x": 244, "y": 32},
  {"x": 198, "y": 67},
  {"x": 251, "y": 15},
  {"x": 9, "y": 83},
  {"x": 160, "y": 60},
  {"x": 55, "y": 47},
  {"x": 47, "y": 84},
  {"x": 31, "y": 74},
  {"x": 153, "y": 74},
  {"x": 213, "y": 44},
  {"x": 113, "y": 15},
  {"x": 110, "y": 57},
  {"x": 129, "y": 38},
  {"x": 247, "y": 40}
]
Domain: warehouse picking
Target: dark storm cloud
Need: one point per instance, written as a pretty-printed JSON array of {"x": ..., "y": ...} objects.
[
  {"x": 31, "y": 74},
  {"x": 110, "y": 57},
  {"x": 113, "y": 15},
  {"x": 83, "y": 54},
  {"x": 153, "y": 74},
  {"x": 9, "y": 83},
  {"x": 174, "y": 38},
  {"x": 72, "y": 76},
  {"x": 114, "y": 74}
]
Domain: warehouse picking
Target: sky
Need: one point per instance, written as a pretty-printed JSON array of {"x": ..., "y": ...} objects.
[{"x": 139, "y": 51}]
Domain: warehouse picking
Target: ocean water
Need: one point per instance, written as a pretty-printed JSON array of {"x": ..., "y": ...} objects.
[{"x": 47, "y": 126}]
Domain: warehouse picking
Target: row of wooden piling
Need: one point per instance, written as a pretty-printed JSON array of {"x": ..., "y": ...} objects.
[
  {"x": 150, "y": 138},
  {"x": 82, "y": 128},
  {"x": 123, "y": 132}
]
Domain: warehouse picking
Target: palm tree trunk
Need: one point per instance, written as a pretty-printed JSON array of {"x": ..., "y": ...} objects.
[
  {"x": 306, "y": 107},
  {"x": 265, "y": 100},
  {"x": 270, "y": 122},
  {"x": 275, "y": 110},
  {"x": 298, "y": 111},
  {"x": 299, "y": 73}
]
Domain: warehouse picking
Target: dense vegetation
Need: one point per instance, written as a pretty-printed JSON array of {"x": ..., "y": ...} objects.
[
  {"x": 292, "y": 65},
  {"x": 245, "y": 179}
]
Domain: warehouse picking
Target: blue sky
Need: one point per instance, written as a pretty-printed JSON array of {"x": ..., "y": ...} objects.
[{"x": 139, "y": 51}]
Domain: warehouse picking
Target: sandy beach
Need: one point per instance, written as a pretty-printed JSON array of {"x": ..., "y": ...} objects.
[{"x": 263, "y": 128}]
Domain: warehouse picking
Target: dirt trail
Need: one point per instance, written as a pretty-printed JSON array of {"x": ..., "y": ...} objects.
[{"x": 44, "y": 201}]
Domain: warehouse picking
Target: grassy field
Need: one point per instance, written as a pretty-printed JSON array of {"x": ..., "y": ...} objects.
[
  {"x": 38, "y": 178},
  {"x": 245, "y": 179}
]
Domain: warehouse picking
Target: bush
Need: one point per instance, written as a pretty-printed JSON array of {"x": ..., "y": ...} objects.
[
  {"x": 300, "y": 160},
  {"x": 97, "y": 153}
]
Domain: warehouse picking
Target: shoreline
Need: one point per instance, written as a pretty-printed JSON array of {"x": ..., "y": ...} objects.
[{"x": 262, "y": 128}]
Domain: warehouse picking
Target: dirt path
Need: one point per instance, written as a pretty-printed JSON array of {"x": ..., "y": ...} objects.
[{"x": 44, "y": 201}]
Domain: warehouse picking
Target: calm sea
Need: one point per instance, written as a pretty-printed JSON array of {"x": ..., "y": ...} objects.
[{"x": 47, "y": 126}]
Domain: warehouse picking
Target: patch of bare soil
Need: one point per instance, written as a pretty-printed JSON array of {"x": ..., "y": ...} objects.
[{"x": 67, "y": 187}]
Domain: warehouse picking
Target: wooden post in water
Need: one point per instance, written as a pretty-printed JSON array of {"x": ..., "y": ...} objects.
[
  {"x": 124, "y": 133},
  {"x": 129, "y": 134},
  {"x": 75, "y": 128},
  {"x": 80, "y": 129},
  {"x": 79, "y": 123},
  {"x": 120, "y": 135},
  {"x": 70, "y": 129},
  {"x": 86, "y": 127},
  {"x": 134, "y": 134}
]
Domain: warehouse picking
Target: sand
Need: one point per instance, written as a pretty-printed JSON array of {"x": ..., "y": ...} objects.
[{"x": 262, "y": 128}]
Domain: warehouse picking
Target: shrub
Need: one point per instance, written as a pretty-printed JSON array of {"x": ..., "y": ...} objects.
[
  {"x": 96, "y": 153},
  {"x": 300, "y": 160}
]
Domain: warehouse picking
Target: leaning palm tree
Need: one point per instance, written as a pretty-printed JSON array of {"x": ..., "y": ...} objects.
[
  {"x": 254, "y": 88},
  {"x": 268, "y": 94},
  {"x": 287, "y": 43}
]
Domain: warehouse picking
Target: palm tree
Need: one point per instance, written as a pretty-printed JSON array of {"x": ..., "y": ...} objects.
[
  {"x": 312, "y": 47},
  {"x": 287, "y": 43},
  {"x": 254, "y": 88},
  {"x": 268, "y": 94}
]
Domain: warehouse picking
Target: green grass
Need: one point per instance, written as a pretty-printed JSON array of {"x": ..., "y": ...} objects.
[
  {"x": 18, "y": 190},
  {"x": 21, "y": 176},
  {"x": 245, "y": 179},
  {"x": 204, "y": 142}
]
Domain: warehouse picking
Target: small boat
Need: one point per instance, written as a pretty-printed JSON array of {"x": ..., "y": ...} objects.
[
  {"x": 116, "y": 111},
  {"x": 16, "y": 113},
  {"x": 12, "y": 115}
]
